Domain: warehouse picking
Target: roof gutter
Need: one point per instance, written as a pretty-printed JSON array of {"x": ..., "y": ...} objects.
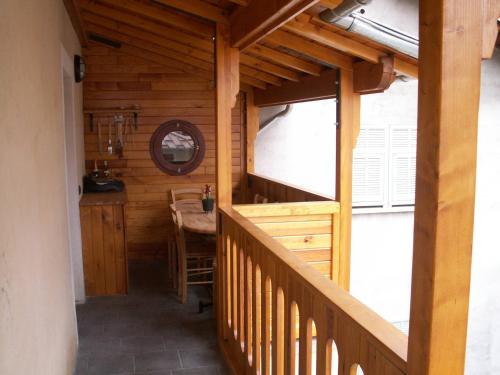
[{"x": 343, "y": 17}]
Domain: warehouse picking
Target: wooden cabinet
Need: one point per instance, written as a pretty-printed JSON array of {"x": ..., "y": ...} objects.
[{"x": 103, "y": 240}]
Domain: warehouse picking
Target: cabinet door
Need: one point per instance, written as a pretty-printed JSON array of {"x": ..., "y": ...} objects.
[{"x": 104, "y": 258}]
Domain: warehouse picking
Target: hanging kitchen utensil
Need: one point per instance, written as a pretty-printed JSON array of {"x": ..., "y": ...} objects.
[
  {"x": 119, "y": 138},
  {"x": 136, "y": 123},
  {"x": 99, "y": 137},
  {"x": 125, "y": 132},
  {"x": 110, "y": 142},
  {"x": 131, "y": 129}
]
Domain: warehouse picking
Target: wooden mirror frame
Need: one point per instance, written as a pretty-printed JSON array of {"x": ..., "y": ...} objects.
[{"x": 159, "y": 135}]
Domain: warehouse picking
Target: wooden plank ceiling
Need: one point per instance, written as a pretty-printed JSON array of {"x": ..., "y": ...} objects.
[{"x": 183, "y": 30}]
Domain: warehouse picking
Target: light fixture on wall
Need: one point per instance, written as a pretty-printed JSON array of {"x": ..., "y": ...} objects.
[{"x": 79, "y": 68}]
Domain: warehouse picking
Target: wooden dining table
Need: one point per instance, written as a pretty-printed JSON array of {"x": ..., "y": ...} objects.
[{"x": 195, "y": 220}]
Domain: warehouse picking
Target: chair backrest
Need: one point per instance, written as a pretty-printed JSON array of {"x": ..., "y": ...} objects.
[
  {"x": 192, "y": 194},
  {"x": 259, "y": 199},
  {"x": 178, "y": 229}
]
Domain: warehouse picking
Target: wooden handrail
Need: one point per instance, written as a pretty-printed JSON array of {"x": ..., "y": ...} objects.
[
  {"x": 291, "y": 208},
  {"x": 280, "y": 191},
  {"x": 361, "y": 336}
]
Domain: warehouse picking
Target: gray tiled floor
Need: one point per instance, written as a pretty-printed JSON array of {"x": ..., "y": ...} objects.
[{"x": 147, "y": 332}]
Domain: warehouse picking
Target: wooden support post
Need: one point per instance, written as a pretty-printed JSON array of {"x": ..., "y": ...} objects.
[
  {"x": 227, "y": 66},
  {"x": 252, "y": 128},
  {"x": 347, "y": 131},
  {"x": 227, "y": 87},
  {"x": 248, "y": 146},
  {"x": 450, "y": 72}
]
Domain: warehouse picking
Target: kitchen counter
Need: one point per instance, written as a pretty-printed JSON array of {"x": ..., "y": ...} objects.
[{"x": 103, "y": 199}]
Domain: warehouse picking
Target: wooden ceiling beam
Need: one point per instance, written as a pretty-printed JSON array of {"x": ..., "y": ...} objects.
[
  {"x": 330, "y": 3},
  {"x": 252, "y": 81},
  {"x": 285, "y": 59},
  {"x": 261, "y": 17},
  {"x": 150, "y": 26},
  {"x": 310, "y": 88},
  {"x": 243, "y": 3},
  {"x": 269, "y": 67},
  {"x": 162, "y": 15},
  {"x": 263, "y": 76},
  {"x": 76, "y": 20},
  {"x": 302, "y": 26},
  {"x": 199, "y": 8},
  {"x": 321, "y": 53},
  {"x": 312, "y": 28}
]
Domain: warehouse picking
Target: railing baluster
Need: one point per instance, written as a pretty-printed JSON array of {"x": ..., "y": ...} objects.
[
  {"x": 321, "y": 340},
  {"x": 274, "y": 321},
  {"x": 279, "y": 339},
  {"x": 240, "y": 291},
  {"x": 248, "y": 314},
  {"x": 266, "y": 320},
  {"x": 229, "y": 291},
  {"x": 292, "y": 333},
  {"x": 305, "y": 333},
  {"x": 234, "y": 282},
  {"x": 222, "y": 279},
  {"x": 256, "y": 313}
]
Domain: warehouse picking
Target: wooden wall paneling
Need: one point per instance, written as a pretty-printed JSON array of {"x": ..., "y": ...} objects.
[
  {"x": 162, "y": 15},
  {"x": 448, "y": 106},
  {"x": 117, "y": 78},
  {"x": 160, "y": 29},
  {"x": 277, "y": 191}
]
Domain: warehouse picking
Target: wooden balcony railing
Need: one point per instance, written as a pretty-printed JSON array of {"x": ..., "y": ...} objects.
[
  {"x": 278, "y": 191},
  {"x": 281, "y": 316}
]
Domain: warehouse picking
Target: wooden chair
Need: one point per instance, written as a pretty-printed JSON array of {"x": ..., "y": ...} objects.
[
  {"x": 195, "y": 259},
  {"x": 178, "y": 197},
  {"x": 172, "y": 256},
  {"x": 260, "y": 199},
  {"x": 185, "y": 195}
]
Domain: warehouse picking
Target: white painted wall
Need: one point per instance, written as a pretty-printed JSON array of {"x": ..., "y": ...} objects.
[
  {"x": 382, "y": 242},
  {"x": 38, "y": 333},
  {"x": 305, "y": 137}
]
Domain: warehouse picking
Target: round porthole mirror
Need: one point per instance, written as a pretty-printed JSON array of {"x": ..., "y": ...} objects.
[{"x": 177, "y": 147}]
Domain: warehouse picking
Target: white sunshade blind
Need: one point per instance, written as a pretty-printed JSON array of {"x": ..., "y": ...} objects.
[
  {"x": 369, "y": 167},
  {"x": 403, "y": 168}
]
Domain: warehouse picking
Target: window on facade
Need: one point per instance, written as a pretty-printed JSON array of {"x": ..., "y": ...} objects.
[{"x": 384, "y": 167}]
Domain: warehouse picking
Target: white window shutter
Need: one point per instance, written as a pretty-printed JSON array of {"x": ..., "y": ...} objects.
[
  {"x": 403, "y": 165},
  {"x": 369, "y": 171}
]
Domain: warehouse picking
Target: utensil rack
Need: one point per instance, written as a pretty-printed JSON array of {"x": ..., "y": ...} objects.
[{"x": 108, "y": 112}]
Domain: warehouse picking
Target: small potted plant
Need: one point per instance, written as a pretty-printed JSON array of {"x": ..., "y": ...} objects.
[{"x": 207, "y": 201}]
